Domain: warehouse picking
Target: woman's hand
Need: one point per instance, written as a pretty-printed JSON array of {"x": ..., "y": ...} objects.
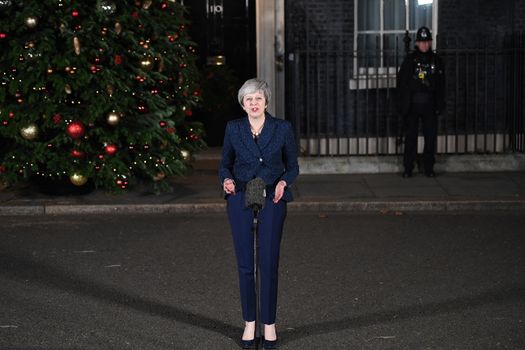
[
  {"x": 279, "y": 191},
  {"x": 228, "y": 186}
]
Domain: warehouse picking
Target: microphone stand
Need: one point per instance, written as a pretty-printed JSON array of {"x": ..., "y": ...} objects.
[
  {"x": 257, "y": 276},
  {"x": 255, "y": 193}
]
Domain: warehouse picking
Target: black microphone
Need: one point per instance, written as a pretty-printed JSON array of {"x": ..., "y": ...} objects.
[{"x": 255, "y": 193}]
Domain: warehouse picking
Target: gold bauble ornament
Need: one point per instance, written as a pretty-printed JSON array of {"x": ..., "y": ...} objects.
[
  {"x": 31, "y": 22},
  {"x": 146, "y": 4},
  {"x": 78, "y": 179},
  {"x": 147, "y": 63},
  {"x": 118, "y": 28},
  {"x": 186, "y": 155},
  {"x": 159, "y": 176},
  {"x": 76, "y": 45},
  {"x": 110, "y": 89},
  {"x": 29, "y": 132},
  {"x": 113, "y": 118},
  {"x": 67, "y": 89}
]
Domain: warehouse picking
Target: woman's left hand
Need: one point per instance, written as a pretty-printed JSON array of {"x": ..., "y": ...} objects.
[{"x": 279, "y": 191}]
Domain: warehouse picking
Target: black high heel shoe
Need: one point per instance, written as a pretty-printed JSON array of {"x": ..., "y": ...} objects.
[
  {"x": 269, "y": 344},
  {"x": 248, "y": 344}
]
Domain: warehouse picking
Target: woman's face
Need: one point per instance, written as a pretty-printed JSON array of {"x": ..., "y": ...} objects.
[{"x": 254, "y": 104}]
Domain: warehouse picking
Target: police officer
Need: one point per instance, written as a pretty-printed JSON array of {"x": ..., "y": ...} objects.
[{"x": 421, "y": 96}]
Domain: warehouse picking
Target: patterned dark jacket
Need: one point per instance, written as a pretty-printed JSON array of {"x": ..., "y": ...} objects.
[{"x": 273, "y": 157}]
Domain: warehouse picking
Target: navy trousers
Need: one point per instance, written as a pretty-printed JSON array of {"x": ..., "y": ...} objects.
[{"x": 271, "y": 220}]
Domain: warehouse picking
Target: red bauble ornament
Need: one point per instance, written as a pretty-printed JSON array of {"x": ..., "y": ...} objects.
[
  {"x": 57, "y": 118},
  {"x": 170, "y": 130},
  {"x": 188, "y": 112},
  {"x": 2, "y": 168},
  {"x": 162, "y": 123},
  {"x": 11, "y": 115},
  {"x": 3, "y": 35},
  {"x": 142, "y": 108},
  {"x": 196, "y": 93},
  {"x": 122, "y": 183},
  {"x": 164, "y": 5},
  {"x": 5, "y": 122},
  {"x": 110, "y": 149},
  {"x": 118, "y": 59},
  {"x": 76, "y": 129},
  {"x": 74, "y": 13},
  {"x": 75, "y": 153},
  {"x": 135, "y": 15},
  {"x": 194, "y": 137}
]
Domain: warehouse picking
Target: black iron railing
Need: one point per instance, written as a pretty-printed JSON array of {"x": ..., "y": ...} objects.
[{"x": 342, "y": 101}]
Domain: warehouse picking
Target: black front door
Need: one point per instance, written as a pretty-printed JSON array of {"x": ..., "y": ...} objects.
[{"x": 224, "y": 31}]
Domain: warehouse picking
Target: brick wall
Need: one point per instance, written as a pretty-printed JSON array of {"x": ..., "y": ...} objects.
[
  {"x": 471, "y": 22},
  {"x": 519, "y": 15},
  {"x": 312, "y": 23}
]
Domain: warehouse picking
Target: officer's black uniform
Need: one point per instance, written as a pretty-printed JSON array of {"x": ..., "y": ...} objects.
[{"x": 421, "y": 95}]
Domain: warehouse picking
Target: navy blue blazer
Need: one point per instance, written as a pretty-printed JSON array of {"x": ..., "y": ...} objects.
[{"x": 273, "y": 157}]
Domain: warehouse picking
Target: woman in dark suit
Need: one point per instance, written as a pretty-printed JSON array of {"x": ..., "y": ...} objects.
[{"x": 258, "y": 145}]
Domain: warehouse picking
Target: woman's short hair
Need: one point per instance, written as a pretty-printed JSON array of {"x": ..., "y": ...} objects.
[{"x": 253, "y": 85}]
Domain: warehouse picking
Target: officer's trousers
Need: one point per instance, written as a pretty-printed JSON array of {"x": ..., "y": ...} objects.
[
  {"x": 271, "y": 220},
  {"x": 425, "y": 113}
]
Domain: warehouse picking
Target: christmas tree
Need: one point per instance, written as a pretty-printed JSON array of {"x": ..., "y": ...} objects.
[{"x": 96, "y": 90}]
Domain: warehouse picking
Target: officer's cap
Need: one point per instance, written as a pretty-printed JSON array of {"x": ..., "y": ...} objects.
[{"x": 423, "y": 34}]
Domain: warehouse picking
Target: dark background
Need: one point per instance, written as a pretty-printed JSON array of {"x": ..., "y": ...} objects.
[{"x": 232, "y": 35}]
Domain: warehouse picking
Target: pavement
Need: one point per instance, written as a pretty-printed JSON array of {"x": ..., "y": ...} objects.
[
  {"x": 366, "y": 281},
  {"x": 199, "y": 191}
]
